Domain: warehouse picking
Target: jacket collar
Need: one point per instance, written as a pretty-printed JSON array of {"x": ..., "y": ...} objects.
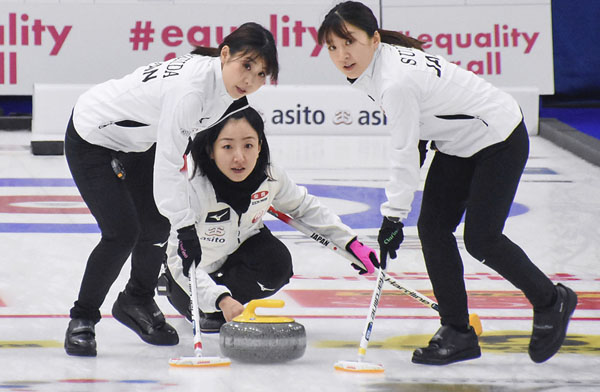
[
  {"x": 365, "y": 81},
  {"x": 221, "y": 91}
]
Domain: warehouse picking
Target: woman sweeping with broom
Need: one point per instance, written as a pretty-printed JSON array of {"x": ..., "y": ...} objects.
[{"x": 481, "y": 148}]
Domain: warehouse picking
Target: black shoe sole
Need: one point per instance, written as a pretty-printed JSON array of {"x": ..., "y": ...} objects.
[
  {"x": 460, "y": 356},
  {"x": 545, "y": 355},
  {"x": 78, "y": 352},
  {"x": 210, "y": 330},
  {"x": 130, "y": 323}
]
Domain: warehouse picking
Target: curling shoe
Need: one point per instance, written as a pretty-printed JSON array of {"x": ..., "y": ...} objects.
[
  {"x": 145, "y": 319},
  {"x": 448, "y": 345},
  {"x": 550, "y": 325},
  {"x": 80, "y": 339},
  {"x": 211, "y": 322}
]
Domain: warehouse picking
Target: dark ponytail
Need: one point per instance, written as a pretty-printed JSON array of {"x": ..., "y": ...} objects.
[
  {"x": 361, "y": 16},
  {"x": 250, "y": 38},
  {"x": 396, "y": 38}
]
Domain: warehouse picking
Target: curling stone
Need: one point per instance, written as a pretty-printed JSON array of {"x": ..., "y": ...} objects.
[{"x": 262, "y": 339}]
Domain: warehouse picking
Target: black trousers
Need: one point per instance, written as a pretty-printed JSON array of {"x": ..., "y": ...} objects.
[
  {"x": 259, "y": 268},
  {"x": 128, "y": 218},
  {"x": 483, "y": 188}
]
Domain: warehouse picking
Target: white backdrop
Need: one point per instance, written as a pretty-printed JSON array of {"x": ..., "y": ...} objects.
[{"x": 91, "y": 41}]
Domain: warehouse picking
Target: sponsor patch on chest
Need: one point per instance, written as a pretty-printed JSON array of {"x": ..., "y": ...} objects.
[
  {"x": 218, "y": 216},
  {"x": 214, "y": 234},
  {"x": 259, "y": 197}
]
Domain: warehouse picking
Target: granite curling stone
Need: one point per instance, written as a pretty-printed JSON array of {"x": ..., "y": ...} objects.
[{"x": 262, "y": 339}]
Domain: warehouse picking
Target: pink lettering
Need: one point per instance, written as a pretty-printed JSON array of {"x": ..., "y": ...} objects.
[
  {"x": 12, "y": 78},
  {"x": 172, "y": 36},
  {"x": 205, "y": 31},
  {"x": 317, "y": 49},
  {"x": 59, "y": 38},
  {"x": 444, "y": 41},
  {"x": 1, "y": 67}
]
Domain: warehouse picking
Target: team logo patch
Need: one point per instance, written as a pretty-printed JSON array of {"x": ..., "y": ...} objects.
[
  {"x": 218, "y": 216},
  {"x": 259, "y": 195}
]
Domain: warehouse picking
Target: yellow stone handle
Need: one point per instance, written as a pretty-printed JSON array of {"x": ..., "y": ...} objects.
[{"x": 249, "y": 315}]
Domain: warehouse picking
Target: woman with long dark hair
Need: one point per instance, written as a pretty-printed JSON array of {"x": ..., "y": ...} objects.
[
  {"x": 125, "y": 144},
  {"x": 481, "y": 147},
  {"x": 232, "y": 187}
]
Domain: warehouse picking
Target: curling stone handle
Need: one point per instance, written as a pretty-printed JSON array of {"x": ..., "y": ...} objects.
[{"x": 249, "y": 311}]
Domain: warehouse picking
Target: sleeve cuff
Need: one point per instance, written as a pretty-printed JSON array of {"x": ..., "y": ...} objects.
[{"x": 219, "y": 298}]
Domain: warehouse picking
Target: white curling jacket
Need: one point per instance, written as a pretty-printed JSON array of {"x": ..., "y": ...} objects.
[
  {"x": 222, "y": 231},
  {"x": 164, "y": 103},
  {"x": 426, "y": 97}
]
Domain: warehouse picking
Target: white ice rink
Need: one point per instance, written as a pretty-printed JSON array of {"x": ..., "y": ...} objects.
[{"x": 45, "y": 239}]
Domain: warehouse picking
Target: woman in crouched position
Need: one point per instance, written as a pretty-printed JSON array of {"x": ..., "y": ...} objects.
[{"x": 232, "y": 186}]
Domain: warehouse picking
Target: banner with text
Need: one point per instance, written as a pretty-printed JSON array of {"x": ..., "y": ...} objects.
[{"x": 510, "y": 45}]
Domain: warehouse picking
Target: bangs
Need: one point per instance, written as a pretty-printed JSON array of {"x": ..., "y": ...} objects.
[
  {"x": 333, "y": 25},
  {"x": 252, "y": 54}
]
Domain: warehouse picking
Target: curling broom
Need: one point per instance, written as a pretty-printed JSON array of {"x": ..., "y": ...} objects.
[
  {"x": 360, "y": 366},
  {"x": 474, "y": 320},
  {"x": 198, "y": 360}
]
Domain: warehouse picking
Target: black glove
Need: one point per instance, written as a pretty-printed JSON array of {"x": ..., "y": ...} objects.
[
  {"x": 390, "y": 237},
  {"x": 188, "y": 248}
]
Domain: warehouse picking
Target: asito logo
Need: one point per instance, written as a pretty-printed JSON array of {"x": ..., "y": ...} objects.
[
  {"x": 214, "y": 234},
  {"x": 308, "y": 116},
  {"x": 342, "y": 117},
  {"x": 365, "y": 117},
  {"x": 215, "y": 231}
]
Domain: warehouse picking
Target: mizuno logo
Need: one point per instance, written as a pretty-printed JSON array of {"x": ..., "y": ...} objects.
[
  {"x": 160, "y": 245},
  {"x": 263, "y": 288},
  {"x": 218, "y": 216}
]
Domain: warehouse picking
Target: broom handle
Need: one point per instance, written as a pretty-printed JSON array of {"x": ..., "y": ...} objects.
[
  {"x": 364, "y": 340},
  {"x": 474, "y": 320},
  {"x": 195, "y": 312},
  {"x": 343, "y": 252}
]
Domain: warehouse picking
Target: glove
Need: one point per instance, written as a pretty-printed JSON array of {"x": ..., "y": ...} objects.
[
  {"x": 365, "y": 255},
  {"x": 188, "y": 248},
  {"x": 390, "y": 237}
]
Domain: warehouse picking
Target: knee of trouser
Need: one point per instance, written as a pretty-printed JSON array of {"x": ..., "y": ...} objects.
[
  {"x": 156, "y": 231},
  {"x": 282, "y": 265},
  {"x": 126, "y": 234},
  {"x": 477, "y": 244},
  {"x": 273, "y": 266},
  {"x": 429, "y": 230}
]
